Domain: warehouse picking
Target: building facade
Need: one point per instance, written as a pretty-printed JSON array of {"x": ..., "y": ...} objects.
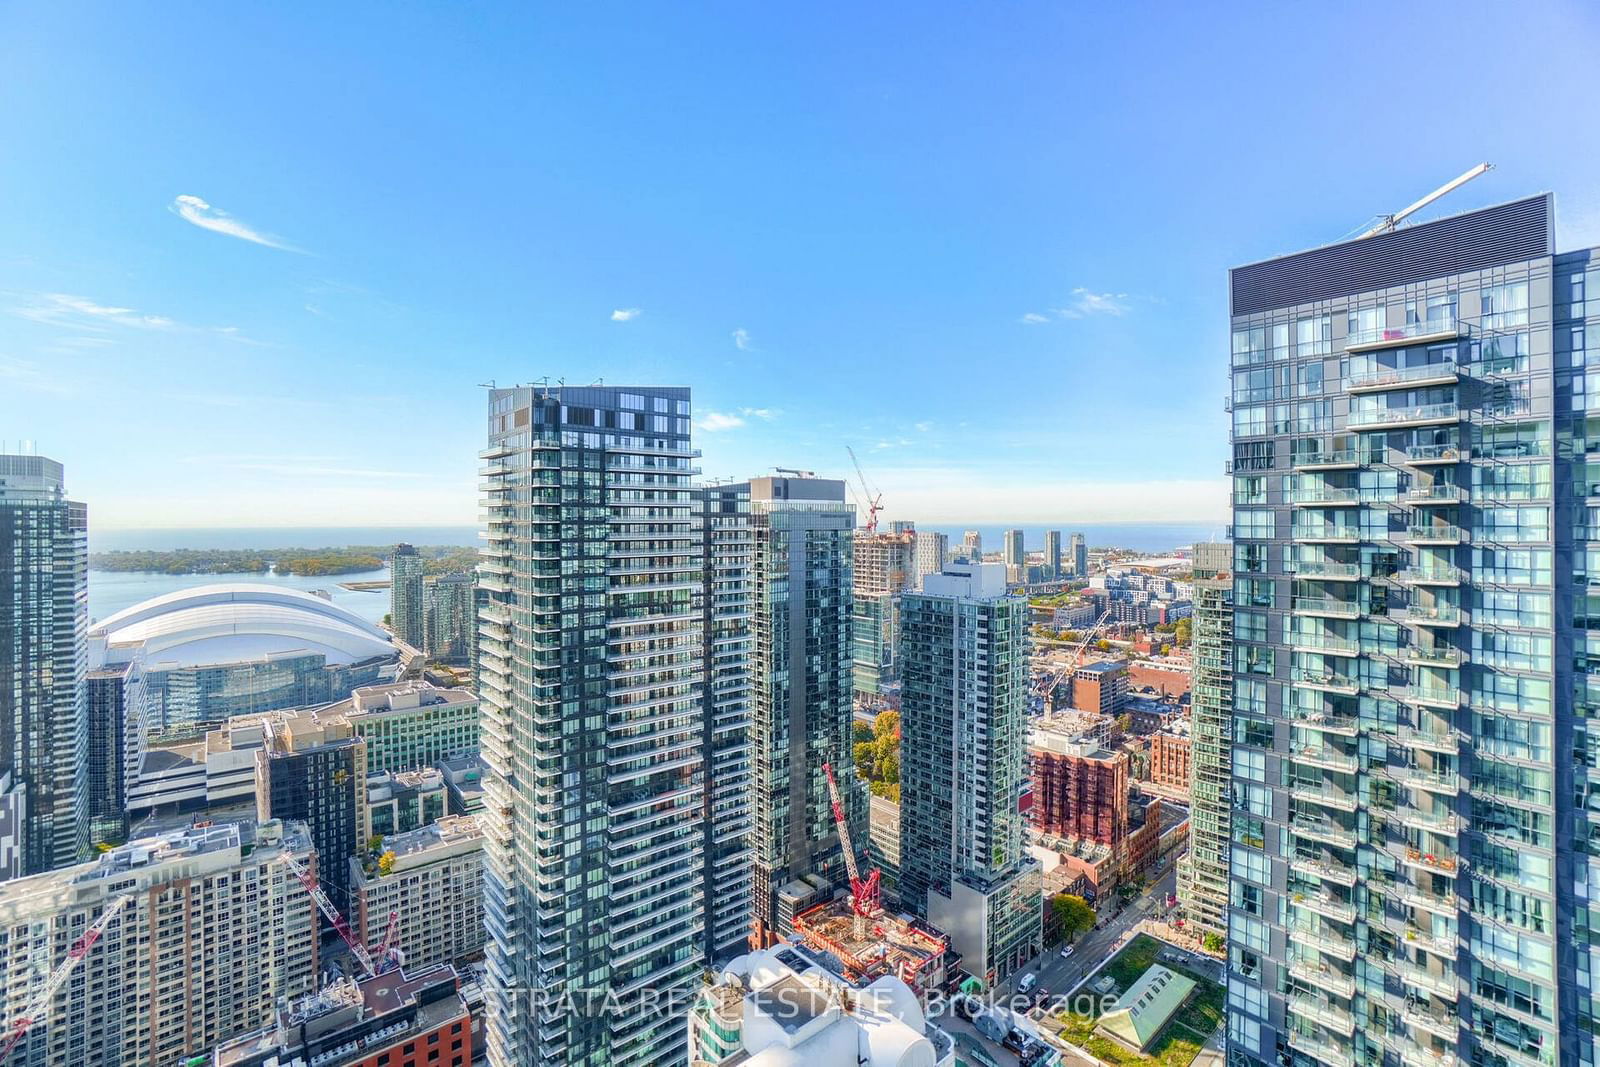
[
  {"x": 801, "y": 589},
  {"x": 972, "y": 546},
  {"x": 450, "y": 618},
  {"x": 1100, "y": 687},
  {"x": 1203, "y": 869},
  {"x": 409, "y": 725},
  {"x": 434, "y": 888},
  {"x": 1052, "y": 554},
  {"x": 44, "y": 597},
  {"x": 105, "y": 694},
  {"x": 1080, "y": 788},
  {"x": 408, "y": 611},
  {"x": 963, "y": 723},
  {"x": 885, "y": 567},
  {"x": 1411, "y": 859},
  {"x": 1079, "y": 549},
  {"x": 932, "y": 552},
  {"x": 318, "y": 778},
  {"x": 591, "y": 638},
  {"x": 210, "y": 931},
  {"x": 1170, "y": 759}
]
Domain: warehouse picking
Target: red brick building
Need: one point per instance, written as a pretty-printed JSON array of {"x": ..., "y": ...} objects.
[
  {"x": 1080, "y": 790},
  {"x": 1170, "y": 680},
  {"x": 1100, "y": 687},
  {"x": 1169, "y": 760}
]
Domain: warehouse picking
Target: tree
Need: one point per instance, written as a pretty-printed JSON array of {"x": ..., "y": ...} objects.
[
  {"x": 887, "y": 724},
  {"x": 1183, "y": 632},
  {"x": 1074, "y": 914},
  {"x": 386, "y": 863},
  {"x": 863, "y": 732},
  {"x": 1125, "y": 722},
  {"x": 1103, "y": 645},
  {"x": 1213, "y": 943}
]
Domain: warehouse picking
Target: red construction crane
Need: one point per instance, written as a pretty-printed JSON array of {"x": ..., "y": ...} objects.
[
  {"x": 388, "y": 951},
  {"x": 39, "y": 1006},
  {"x": 866, "y": 894},
  {"x": 873, "y": 501},
  {"x": 331, "y": 913}
]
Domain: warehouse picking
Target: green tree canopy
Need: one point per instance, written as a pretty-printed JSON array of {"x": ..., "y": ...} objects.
[{"x": 1074, "y": 914}]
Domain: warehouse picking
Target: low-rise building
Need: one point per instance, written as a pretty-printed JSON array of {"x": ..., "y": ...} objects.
[
  {"x": 209, "y": 931},
  {"x": 463, "y": 781},
  {"x": 1100, "y": 687},
  {"x": 785, "y": 1006},
  {"x": 398, "y": 801},
  {"x": 433, "y": 886},
  {"x": 1080, "y": 788},
  {"x": 409, "y": 725},
  {"x": 1169, "y": 758},
  {"x": 410, "y": 1018}
]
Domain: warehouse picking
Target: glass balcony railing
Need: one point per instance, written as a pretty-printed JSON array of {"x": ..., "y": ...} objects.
[
  {"x": 1339, "y": 646},
  {"x": 1323, "y": 976},
  {"x": 1435, "y": 614},
  {"x": 1436, "y": 1023},
  {"x": 1341, "y": 948},
  {"x": 1438, "y": 533},
  {"x": 1433, "y": 861},
  {"x": 1418, "y": 414},
  {"x": 1323, "y": 830},
  {"x": 1435, "y": 903},
  {"x": 1321, "y": 1049},
  {"x": 1326, "y": 720},
  {"x": 1325, "y": 532},
  {"x": 1447, "y": 656},
  {"x": 1325, "y": 757},
  {"x": 1438, "y": 822},
  {"x": 1325, "y": 569},
  {"x": 1327, "y": 459},
  {"x": 1397, "y": 377},
  {"x": 1325, "y": 797},
  {"x": 1435, "y": 494},
  {"x": 1439, "y": 983},
  {"x": 1322, "y": 1011},
  {"x": 1324, "y": 495},
  {"x": 1433, "y": 696},
  {"x": 1411, "y": 333},
  {"x": 1432, "y": 454},
  {"x": 1447, "y": 783},
  {"x": 1312, "y": 605},
  {"x": 1444, "y": 741},
  {"x": 1435, "y": 574}
]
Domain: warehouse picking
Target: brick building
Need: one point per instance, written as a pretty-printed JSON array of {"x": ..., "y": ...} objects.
[
  {"x": 1080, "y": 790},
  {"x": 1168, "y": 679},
  {"x": 1100, "y": 687},
  {"x": 1169, "y": 759}
]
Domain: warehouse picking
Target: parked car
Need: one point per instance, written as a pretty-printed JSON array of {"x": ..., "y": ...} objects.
[
  {"x": 1066, "y": 952},
  {"x": 1027, "y": 983}
]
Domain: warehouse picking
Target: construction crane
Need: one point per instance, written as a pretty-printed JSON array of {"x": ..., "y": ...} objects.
[
  {"x": 866, "y": 894},
  {"x": 389, "y": 955},
  {"x": 873, "y": 501},
  {"x": 39, "y": 1006},
  {"x": 1387, "y": 223},
  {"x": 1055, "y": 677},
  {"x": 331, "y": 913}
]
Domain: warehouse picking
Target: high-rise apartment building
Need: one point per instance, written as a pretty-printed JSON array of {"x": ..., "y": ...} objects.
[
  {"x": 210, "y": 930},
  {"x": 408, "y": 612},
  {"x": 885, "y": 567},
  {"x": 316, "y": 774},
  {"x": 1015, "y": 554},
  {"x": 1412, "y": 872},
  {"x": 1203, "y": 869},
  {"x": 434, "y": 888},
  {"x": 1079, "y": 549},
  {"x": 105, "y": 694},
  {"x": 933, "y": 549},
  {"x": 592, "y": 673},
  {"x": 44, "y": 597},
  {"x": 1080, "y": 787},
  {"x": 802, "y": 535},
  {"x": 972, "y": 546},
  {"x": 1052, "y": 554},
  {"x": 964, "y": 864},
  {"x": 450, "y": 618},
  {"x": 729, "y": 647}
]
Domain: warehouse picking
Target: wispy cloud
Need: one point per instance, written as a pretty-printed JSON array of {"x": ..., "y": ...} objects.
[
  {"x": 760, "y": 413},
  {"x": 81, "y": 313},
  {"x": 626, "y": 314},
  {"x": 1081, "y": 304},
  {"x": 714, "y": 421},
  {"x": 193, "y": 209},
  {"x": 923, "y": 427},
  {"x": 741, "y": 339}
]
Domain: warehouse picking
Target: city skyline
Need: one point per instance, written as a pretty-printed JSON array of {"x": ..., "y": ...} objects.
[{"x": 309, "y": 264}]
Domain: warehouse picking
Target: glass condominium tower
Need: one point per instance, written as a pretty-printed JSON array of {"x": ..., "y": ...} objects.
[
  {"x": 592, "y": 672},
  {"x": 1411, "y": 769},
  {"x": 44, "y": 606}
]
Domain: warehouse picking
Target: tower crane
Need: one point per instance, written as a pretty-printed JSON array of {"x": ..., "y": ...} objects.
[
  {"x": 874, "y": 501},
  {"x": 38, "y": 1007},
  {"x": 866, "y": 894},
  {"x": 1055, "y": 677},
  {"x": 357, "y": 949},
  {"x": 1387, "y": 223}
]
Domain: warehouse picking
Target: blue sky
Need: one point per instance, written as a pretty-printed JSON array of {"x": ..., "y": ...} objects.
[{"x": 255, "y": 259}]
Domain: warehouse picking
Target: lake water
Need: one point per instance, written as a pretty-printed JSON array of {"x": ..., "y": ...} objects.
[{"x": 111, "y": 591}]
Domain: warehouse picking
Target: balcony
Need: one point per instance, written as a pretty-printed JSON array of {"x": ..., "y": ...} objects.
[
  {"x": 1430, "y": 696},
  {"x": 1324, "y": 570},
  {"x": 1322, "y": 976},
  {"x": 1435, "y": 822},
  {"x": 1329, "y": 722},
  {"x": 1326, "y": 758},
  {"x": 1371, "y": 381},
  {"x": 1324, "y": 496},
  {"x": 1323, "y": 682},
  {"x": 1423, "y": 495},
  {"x": 1327, "y": 905},
  {"x": 1445, "y": 947},
  {"x": 1416, "y": 1054},
  {"x": 1438, "y": 983},
  {"x": 1324, "y": 1012},
  {"x": 1440, "y": 533},
  {"x": 1327, "y": 870},
  {"x": 1430, "y": 902},
  {"x": 1412, "y": 333},
  {"x": 1340, "y": 948},
  {"x": 1432, "y": 862},
  {"x": 1326, "y": 533},
  {"x": 1321, "y": 1050},
  {"x": 1429, "y": 455},
  {"x": 1327, "y": 460},
  {"x": 1435, "y": 575},
  {"x": 1337, "y": 646},
  {"x": 1326, "y": 606},
  {"x": 1322, "y": 830},
  {"x": 1337, "y": 799},
  {"x": 1441, "y": 783},
  {"x": 1447, "y": 742},
  {"x": 1396, "y": 418},
  {"x": 1435, "y": 614},
  {"x": 1446, "y": 656}
]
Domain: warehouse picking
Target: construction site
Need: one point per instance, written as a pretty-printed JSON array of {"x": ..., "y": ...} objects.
[{"x": 888, "y": 945}]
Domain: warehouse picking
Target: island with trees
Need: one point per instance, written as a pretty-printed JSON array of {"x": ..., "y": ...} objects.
[{"x": 311, "y": 562}]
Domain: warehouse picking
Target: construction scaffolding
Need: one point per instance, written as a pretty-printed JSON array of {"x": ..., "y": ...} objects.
[{"x": 889, "y": 945}]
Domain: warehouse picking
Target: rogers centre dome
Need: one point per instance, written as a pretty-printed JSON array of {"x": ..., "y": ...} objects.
[{"x": 233, "y": 622}]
